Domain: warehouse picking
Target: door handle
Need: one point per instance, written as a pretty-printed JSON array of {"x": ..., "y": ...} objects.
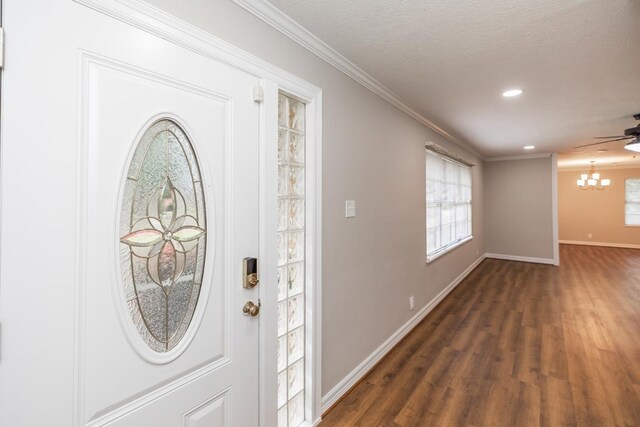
[{"x": 250, "y": 309}]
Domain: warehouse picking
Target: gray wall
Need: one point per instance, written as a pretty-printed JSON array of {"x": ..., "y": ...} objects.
[
  {"x": 372, "y": 153},
  {"x": 518, "y": 207}
]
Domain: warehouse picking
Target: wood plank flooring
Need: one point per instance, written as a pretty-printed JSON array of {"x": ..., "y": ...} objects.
[{"x": 516, "y": 344}]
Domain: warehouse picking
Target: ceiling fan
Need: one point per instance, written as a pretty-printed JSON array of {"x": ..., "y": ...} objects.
[{"x": 631, "y": 134}]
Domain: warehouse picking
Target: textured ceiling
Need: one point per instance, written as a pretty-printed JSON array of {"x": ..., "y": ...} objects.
[{"x": 577, "y": 60}]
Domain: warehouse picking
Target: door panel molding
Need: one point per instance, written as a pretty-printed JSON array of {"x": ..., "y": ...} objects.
[
  {"x": 92, "y": 63},
  {"x": 122, "y": 409},
  {"x": 118, "y": 296},
  {"x": 214, "y": 412}
]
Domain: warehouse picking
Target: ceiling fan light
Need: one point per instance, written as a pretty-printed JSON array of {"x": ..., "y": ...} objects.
[
  {"x": 580, "y": 183},
  {"x": 605, "y": 182},
  {"x": 584, "y": 177},
  {"x": 633, "y": 145},
  {"x": 593, "y": 182},
  {"x": 595, "y": 175}
]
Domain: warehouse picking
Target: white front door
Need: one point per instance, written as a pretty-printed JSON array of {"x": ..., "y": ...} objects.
[{"x": 129, "y": 192}]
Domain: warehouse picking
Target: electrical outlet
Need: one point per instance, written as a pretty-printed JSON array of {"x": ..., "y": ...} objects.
[
  {"x": 411, "y": 302},
  {"x": 590, "y": 236}
]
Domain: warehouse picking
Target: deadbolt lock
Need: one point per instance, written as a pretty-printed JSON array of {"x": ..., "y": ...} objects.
[
  {"x": 252, "y": 279},
  {"x": 250, "y": 273}
]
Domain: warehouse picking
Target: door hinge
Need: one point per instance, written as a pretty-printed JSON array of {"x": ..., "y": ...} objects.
[
  {"x": 258, "y": 94},
  {"x": 1, "y": 47}
]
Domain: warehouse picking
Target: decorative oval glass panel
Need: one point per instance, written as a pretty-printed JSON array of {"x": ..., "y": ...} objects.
[{"x": 163, "y": 235}]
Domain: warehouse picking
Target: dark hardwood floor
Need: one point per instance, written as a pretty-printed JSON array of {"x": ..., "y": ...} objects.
[{"x": 516, "y": 344}]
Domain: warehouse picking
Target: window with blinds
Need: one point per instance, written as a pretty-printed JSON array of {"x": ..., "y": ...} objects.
[
  {"x": 448, "y": 204},
  {"x": 632, "y": 201}
]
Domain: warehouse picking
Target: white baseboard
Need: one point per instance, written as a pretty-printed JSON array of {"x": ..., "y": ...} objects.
[
  {"x": 522, "y": 258},
  {"x": 363, "y": 368},
  {"x": 608, "y": 245}
]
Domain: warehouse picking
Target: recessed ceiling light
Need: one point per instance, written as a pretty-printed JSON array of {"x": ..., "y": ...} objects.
[
  {"x": 529, "y": 147},
  {"x": 512, "y": 92}
]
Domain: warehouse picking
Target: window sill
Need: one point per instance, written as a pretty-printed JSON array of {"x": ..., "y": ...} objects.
[
  {"x": 437, "y": 255},
  {"x": 632, "y": 225}
]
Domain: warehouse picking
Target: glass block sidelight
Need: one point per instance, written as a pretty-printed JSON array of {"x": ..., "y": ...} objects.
[{"x": 291, "y": 261}]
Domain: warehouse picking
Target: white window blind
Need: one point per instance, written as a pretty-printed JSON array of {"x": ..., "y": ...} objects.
[
  {"x": 448, "y": 203},
  {"x": 632, "y": 202}
]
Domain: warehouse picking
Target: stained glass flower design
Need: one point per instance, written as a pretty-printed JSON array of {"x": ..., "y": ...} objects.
[
  {"x": 165, "y": 237},
  {"x": 162, "y": 235}
]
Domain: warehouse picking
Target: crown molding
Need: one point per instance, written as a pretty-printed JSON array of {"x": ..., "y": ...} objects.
[
  {"x": 584, "y": 168},
  {"x": 274, "y": 17},
  {"x": 156, "y": 21},
  {"x": 520, "y": 157}
]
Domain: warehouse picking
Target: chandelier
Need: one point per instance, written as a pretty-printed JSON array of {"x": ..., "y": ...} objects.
[{"x": 592, "y": 181}]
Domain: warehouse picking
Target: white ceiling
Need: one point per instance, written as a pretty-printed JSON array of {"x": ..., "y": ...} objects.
[{"x": 577, "y": 60}]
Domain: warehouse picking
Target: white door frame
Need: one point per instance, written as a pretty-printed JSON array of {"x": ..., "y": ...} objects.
[
  {"x": 313, "y": 252},
  {"x": 155, "y": 21}
]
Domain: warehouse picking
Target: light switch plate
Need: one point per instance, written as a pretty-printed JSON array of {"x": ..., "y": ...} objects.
[{"x": 350, "y": 209}]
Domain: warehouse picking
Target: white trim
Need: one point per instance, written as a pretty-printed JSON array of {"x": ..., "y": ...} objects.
[
  {"x": 313, "y": 253},
  {"x": 437, "y": 150},
  {"x": 316, "y": 256},
  {"x": 267, "y": 259},
  {"x": 277, "y": 19},
  {"x": 521, "y": 258},
  {"x": 519, "y": 157},
  {"x": 313, "y": 260},
  {"x": 160, "y": 23},
  {"x": 607, "y": 245},
  {"x": 554, "y": 208},
  {"x": 447, "y": 249},
  {"x": 366, "y": 365},
  {"x": 80, "y": 279},
  {"x": 157, "y": 22},
  {"x": 599, "y": 167}
]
